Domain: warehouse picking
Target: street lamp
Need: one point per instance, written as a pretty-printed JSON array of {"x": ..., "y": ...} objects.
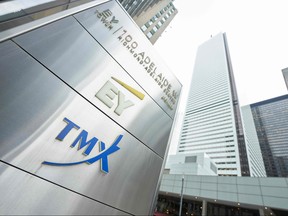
[{"x": 181, "y": 199}]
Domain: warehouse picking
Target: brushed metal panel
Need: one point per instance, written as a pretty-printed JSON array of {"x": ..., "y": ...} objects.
[
  {"x": 72, "y": 54},
  {"x": 35, "y": 103},
  {"x": 8, "y": 34},
  {"x": 123, "y": 39},
  {"x": 25, "y": 194},
  {"x": 28, "y": 94}
]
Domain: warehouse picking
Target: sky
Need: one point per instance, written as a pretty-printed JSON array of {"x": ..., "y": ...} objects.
[{"x": 257, "y": 35}]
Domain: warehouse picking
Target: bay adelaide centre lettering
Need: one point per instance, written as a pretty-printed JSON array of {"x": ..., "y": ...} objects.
[{"x": 87, "y": 108}]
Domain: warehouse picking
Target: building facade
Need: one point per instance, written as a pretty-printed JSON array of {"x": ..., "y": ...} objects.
[
  {"x": 271, "y": 122},
  {"x": 212, "y": 121},
  {"x": 152, "y": 16},
  {"x": 223, "y": 195},
  {"x": 285, "y": 75},
  {"x": 190, "y": 164},
  {"x": 87, "y": 107},
  {"x": 255, "y": 157}
]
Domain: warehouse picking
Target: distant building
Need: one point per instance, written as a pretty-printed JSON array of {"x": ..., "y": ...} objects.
[
  {"x": 271, "y": 121},
  {"x": 212, "y": 122},
  {"x": 255, "y": 158},
  {"x": 285, "y": 75},
  {"x": 190, "y": 164},
  {"x": 152, "y": 16}
]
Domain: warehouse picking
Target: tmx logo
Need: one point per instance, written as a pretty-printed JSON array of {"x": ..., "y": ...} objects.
[{"x": 81, "y": 140}]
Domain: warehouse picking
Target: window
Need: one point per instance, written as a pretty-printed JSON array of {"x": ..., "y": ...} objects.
[
  {"x": 143, "y": 28},
  {"x": 213, "y": 167},
  {"x": 190, "y": 159},
  {"x": 149, "y": 35}
]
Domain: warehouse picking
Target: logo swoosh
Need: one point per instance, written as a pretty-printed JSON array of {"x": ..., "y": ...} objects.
[
  {"x": 130, "y": 89},
  {"x": 113, "y": 148}
]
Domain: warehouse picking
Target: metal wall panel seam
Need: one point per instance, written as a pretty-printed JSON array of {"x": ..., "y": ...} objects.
[
  {"x": 29, "y": 48},
  {"x": 151, "y": 68},
  {"x": 39, "y": 149},
  {"x": 51, "y": 19},
  {"x": 8, "y": 34},
  {"x": 120, "y": 65},
  {"x": 86, "y": 99},
  {"x": 155, "y": 196},
  {"x": 63, "y": 187}
]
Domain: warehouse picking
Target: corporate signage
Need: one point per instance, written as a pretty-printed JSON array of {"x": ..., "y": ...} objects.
[
  {"x": 87, "y": 110},
  {"x": 82, "y": 142},
  {"x": 170, "y": 94},
  {"x": 106, "y": 95},
  {"x": 134, "y": 53},
  {"x": 108, "y": 92}
]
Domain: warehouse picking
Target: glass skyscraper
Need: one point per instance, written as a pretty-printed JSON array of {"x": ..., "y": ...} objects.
[
  {"x": 212, "y": 121},
  {"x": 255, "y": 158},
  {"x": 271, "y": 121}
]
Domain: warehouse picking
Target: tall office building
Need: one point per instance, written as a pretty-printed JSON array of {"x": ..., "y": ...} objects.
[
  {"x": 255, "y": 158},
  {"x": 212, "y": 122},
  {"x": 152, "y": 16},
  {"x": 271, "y": 121}
]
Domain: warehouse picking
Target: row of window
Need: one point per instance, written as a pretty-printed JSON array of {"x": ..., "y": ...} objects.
[
  {"x": 203, "y": 148},
  {"x": 227, "y": 168},
  {"x": 212, "y": 136},
  {"x": 157, "y": 19},
  {"x": 207, "y": 133},
  {"x": 213, "y": 144},
  {"x": 230, "y": 156},
  {"x": 233, "y": 162},
  {"x": 216, "y": 138},
  {"x": 204, "y": 127},
  {"x": 202, "y": 117}
]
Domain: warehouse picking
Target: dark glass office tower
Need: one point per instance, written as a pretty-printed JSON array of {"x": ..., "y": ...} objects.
[{"x": 271, "y": 121}]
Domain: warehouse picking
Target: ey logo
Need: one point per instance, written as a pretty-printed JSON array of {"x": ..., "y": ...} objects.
[
  {"x": 108, "y": 92},
  {"x": 82, "y": 142},
  {"x": 105, "y": 17}
]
